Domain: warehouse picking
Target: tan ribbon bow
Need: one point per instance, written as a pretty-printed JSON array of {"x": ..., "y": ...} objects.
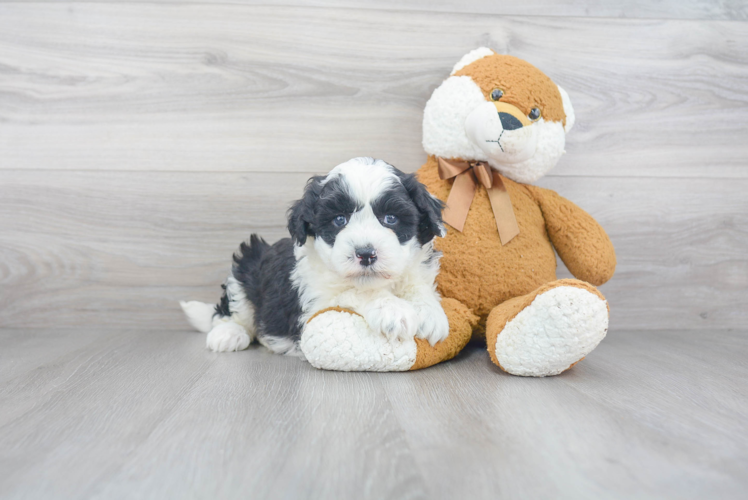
[{"x": 467, "y": 176}]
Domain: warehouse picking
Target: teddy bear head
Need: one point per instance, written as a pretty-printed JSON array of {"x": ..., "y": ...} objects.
[{"x": 501, "y": 110}]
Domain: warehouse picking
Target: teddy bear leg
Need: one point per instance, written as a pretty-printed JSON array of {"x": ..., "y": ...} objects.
[
  {"x": 339, "y": 339},
  {"x": 548, "y": 331}
]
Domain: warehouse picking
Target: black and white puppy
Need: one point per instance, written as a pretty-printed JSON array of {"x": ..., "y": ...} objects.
[{"x": 361, "y": 238}]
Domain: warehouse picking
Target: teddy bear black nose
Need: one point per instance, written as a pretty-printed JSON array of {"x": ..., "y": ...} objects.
[{"x": 509, "y": 122}]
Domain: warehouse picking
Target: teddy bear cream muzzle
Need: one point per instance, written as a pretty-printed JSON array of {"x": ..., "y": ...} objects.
[{"x": 502, "y": 132}]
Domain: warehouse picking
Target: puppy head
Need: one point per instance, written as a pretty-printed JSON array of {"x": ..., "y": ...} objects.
[
  {"x": 502, "y": 110},
  {"x": 367, "y": 221}
]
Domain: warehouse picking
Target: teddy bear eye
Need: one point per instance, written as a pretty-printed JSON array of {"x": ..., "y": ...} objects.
[
  {"x": 497, "y": 94},
  {"x": 534, "y": 114}
]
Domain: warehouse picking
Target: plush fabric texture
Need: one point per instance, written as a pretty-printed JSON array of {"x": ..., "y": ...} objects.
[
  {"x": 524, "y": 85},
  {"x": 444, "y": 119},
  {"x": 339, "y": 339},
  {"x": 558, "y": 324},
  {"x": 481, "y": 273},
  {"x": 579, "y": 240},
  {"x": 461, "y": 324},
  {"x": 471, "y": 57},
  {"x": 338, "y": 309},
  {"x": 568, "y": 110}
]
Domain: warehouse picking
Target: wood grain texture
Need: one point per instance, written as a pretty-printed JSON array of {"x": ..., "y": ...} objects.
[
  {"x": 661, "y": 9},
  {"x": 230, "y": 87},
  {"x": 152, "y": 414},
  {"x": 121, "y": 248}
]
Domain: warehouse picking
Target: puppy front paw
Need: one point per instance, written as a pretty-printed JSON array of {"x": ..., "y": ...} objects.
[
  {"x": 228, "y": 336},
  {"x": 394, "y": 317},
  {"x": 433, "y": 324}
]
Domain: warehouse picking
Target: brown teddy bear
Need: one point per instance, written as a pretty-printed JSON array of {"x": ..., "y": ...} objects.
[{"x": 496, "y": 124}]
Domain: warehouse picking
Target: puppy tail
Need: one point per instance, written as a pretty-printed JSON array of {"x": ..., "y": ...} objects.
[
  {"x": 240, "y": 292},
  {"x": 246, "y": 269},
  {"x": 199, "y": 314}
]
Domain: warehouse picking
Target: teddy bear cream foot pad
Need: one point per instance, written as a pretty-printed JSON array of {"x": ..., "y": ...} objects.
[{"x": 557, "y": 330}]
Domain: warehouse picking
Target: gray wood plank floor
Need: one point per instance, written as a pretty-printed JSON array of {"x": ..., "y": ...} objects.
[{"x": 86, "y": 413}]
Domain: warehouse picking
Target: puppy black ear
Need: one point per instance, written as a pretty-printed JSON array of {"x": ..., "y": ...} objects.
[
  {"x": 301, "y": 213},
  {"x": 430, "y": 224}
]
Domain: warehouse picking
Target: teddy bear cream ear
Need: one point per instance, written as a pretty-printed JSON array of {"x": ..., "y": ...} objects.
[
  {"x": 471, "y": 57},
  {"x": 568, "y": 109}
]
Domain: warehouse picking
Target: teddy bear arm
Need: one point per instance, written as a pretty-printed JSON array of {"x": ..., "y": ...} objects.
[
  {"x": 339, "y": 339},
  {"x": 461, "y": 324},
  {"x": 580, "y": 241}
]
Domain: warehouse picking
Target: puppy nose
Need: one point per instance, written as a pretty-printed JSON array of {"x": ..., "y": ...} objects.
[
  {"x": 366, "y": 256},
  {"x": 509, "y": 122}
]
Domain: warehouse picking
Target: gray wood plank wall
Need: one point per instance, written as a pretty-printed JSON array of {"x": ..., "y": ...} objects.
[{"x": 140, "y": 142}]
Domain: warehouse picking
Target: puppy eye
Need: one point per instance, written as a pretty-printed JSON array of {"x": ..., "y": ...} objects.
[
  {"x": 390, "y": 219},
  {"x": 534, "y": 114},
  {"x": 497, "y": 94},
  {"x": 340, "y": 221}
]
